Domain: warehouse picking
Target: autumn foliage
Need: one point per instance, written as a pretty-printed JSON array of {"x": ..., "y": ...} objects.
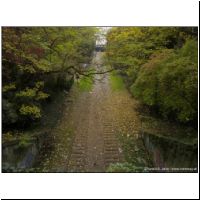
[
  {"x": 160, "y": 67},
  {"x": 35, "y": 62}
]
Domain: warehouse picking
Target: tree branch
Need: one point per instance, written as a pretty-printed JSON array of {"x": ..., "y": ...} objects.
[{"x": 91, "y": 72}]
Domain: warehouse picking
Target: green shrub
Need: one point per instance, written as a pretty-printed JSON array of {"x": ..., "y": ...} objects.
[
  {"x": 117, "y": 83},
  {"x": 85, "y": 83},
  {"x": 124, "y": 167},
  {"x": 145, "y": 87},
  {"x": 170, "y": 81}
]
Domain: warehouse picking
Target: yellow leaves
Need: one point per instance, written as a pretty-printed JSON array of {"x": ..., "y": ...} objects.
[
  {"x": 39, "y": 84},
  {"x": 27, "y": 68},
  {"x": 41, "y": 95},
  {"x": 32, "y": 110},
  {"x": 44, "y": 65},
  {"x": 28, "y": 92},
  {"x": 34, "y": 92},
  {"x": 9, "y": 87},
  {"x": 8, "y": 136}
]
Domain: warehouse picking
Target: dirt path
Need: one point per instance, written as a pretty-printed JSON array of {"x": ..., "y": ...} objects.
[
  {"x": 95, "y": 118},
  {"x": 95, "y": 145}
]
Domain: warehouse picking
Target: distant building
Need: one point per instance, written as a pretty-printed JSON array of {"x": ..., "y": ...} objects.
[{"x": 101, "y": 40}]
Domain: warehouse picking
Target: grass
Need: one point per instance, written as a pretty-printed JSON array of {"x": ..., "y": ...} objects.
[
  {"x": 124, "y": 167},
  {"x": 116, "y": 81},
  {"x": 85, "y": 84}
]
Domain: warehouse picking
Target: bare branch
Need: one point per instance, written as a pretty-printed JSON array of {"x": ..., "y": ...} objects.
[{"x": 87, "y": 72}]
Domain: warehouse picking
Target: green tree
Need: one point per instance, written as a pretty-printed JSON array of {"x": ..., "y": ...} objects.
[
  {"x": 37, "y": 60},
  {"x": 159, "y": 65},
  {"x": 169, "y": 81}
]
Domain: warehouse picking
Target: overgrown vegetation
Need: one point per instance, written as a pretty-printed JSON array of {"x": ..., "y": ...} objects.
[
  {"x": 37, "y": 61},
  {"x": 159, "y": 66},
  {"x": 116, "y": 82},
  {"x": 85, "y": 83},
  {"x": 124, "y": 168},
  {"x": 134, "y": 150}
]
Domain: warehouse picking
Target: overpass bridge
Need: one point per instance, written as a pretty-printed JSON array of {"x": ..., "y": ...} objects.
[
  {"x": 100, "y": 42},
  {"x": 100, "y": 47}
]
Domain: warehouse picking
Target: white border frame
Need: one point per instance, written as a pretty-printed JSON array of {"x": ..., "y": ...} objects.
[{"x": 99, "y": 13}]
